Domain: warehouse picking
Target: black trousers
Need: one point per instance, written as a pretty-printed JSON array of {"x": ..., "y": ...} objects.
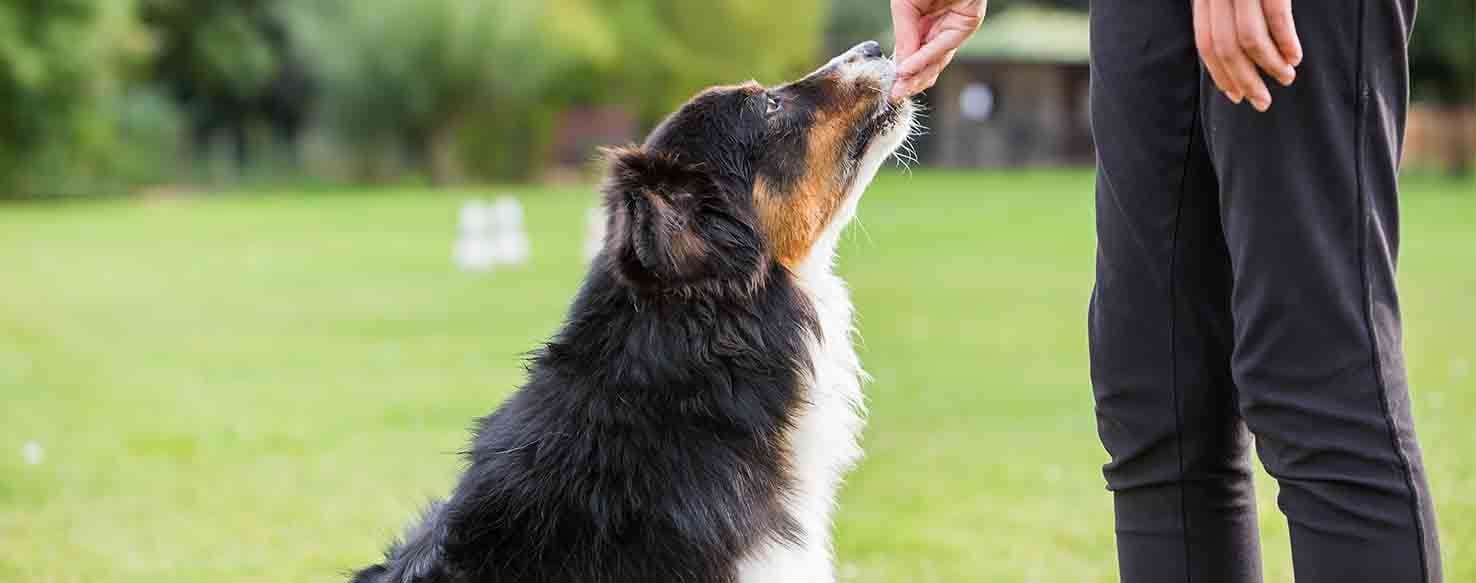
[{"x": 1245, "y": 287}]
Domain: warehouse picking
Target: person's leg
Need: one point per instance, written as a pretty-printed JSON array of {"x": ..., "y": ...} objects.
[
  {"x": 1160, "y": 315},
  {"x": 1308, "y": 201}
]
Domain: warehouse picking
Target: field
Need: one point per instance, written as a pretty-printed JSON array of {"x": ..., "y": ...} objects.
[{"x": 267, "y": 387}]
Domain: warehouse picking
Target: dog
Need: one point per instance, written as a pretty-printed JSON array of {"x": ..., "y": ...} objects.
[{"x": 694, "y": 417}]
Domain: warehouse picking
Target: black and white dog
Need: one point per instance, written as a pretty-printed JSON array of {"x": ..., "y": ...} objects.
[{"x": 694, "y": 417}]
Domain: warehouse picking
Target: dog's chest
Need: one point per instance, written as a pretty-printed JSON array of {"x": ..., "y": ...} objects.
[{"x": 824, "y": 440}]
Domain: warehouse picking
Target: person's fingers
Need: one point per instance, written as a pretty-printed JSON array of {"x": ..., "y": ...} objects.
[
  {"x": 922, "y": 80},
  {"x": 917, "y": 83},
  {"x": 1227, "y": 47},
  {"x": 929, "y": 76},
  {"x": 938, "y": 28},
  {"x": 929, "y": 26},
  {"x": 1255, "y": 41},
  {"x": 1204, "y": 41},
  {"x": 944, "y": 30},
  {"x": 939, "y": 50},
  {"x": 906, "y": 24},
  {"x": 1283, "y": 29},
  {"x": 902, "y": 88}
]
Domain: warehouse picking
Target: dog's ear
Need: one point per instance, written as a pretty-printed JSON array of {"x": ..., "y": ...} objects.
[{"x": 656, "y": 205}]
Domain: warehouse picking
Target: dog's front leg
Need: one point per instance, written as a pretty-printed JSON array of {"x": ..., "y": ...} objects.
[{"x": 810, "y": 562}]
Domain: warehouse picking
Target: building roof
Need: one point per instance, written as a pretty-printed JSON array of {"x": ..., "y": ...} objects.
[{"x": 1030, "y": 35}]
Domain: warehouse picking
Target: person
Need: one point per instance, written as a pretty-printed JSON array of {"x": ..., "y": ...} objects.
[{"x": 1247, "y": 228}]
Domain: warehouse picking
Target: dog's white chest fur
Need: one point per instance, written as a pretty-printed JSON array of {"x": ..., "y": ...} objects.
[{"x": 824, "y": 441}]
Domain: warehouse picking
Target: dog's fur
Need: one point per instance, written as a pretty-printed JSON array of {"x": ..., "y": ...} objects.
[{"x": 693, "y": 418}]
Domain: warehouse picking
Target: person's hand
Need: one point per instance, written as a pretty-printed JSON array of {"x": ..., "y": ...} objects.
[
  {"x": 929, "y": 32},
  {"x": 1235, "y": 37}
]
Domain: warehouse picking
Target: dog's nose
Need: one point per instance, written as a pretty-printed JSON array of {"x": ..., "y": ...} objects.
[{"x": 869, "y": 50}]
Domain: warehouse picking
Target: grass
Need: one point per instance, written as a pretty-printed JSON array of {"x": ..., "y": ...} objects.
[{"x": 265, "y": 388}]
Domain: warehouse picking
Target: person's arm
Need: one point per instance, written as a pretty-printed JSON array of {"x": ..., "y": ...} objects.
[
  {"x": 928, "y": 33},
  {"x": 1235, "y": 37}
]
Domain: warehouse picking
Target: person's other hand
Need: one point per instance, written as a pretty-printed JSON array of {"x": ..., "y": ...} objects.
[
  {"x": 1236, "y": 37},
  {"x": 928, "y": 33}
]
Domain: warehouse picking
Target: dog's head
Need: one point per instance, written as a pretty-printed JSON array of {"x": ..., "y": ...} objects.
[{"x": 743, "y": 178}]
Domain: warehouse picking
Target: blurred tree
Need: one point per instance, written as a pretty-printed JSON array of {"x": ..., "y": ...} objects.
[
  {"x": 1443, "y": 51},
  {"x": 854, "y": 21},
  {"x": 230, "y": 64},
  {"x": 418, "y": 72},
  {"x": 654, "y": 54},
  {"x": 1443, "y": 66},
  {"x": 60, "y": 63}
]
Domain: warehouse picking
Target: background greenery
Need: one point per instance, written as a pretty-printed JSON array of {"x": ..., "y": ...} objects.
[
  {"x": 451, "y": 89},
  {"x": 318, "y": 361},
  {"x": 103, "y": 95}
]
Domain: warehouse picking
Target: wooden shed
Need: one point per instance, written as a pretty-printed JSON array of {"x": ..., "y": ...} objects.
[{"x": 1015, "y": 95}]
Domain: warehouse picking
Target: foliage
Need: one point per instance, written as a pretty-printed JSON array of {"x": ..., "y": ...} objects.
[
  {"x": 1443, "y": 51},
  {"x": 443, "y": 83},
  {"x": 151, "y": 133},
  {"x": 100, "y": 92},
  {"x": 229, "y": 65},
  {"x": 654, "y": 54},
  {"x": 211, "y": 47},
  {"x": 854, "y": 21},
  {"x": 413, "y": 74},
  {"x": 61, "y": 61}
]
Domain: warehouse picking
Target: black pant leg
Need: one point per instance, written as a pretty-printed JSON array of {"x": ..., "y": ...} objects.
[
  {"x": 1308, "y": 196},
  {"x": 1160, "y": 320}
]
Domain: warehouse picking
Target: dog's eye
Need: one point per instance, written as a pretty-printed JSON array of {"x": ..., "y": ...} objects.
[{"x": 773, "y": 105}]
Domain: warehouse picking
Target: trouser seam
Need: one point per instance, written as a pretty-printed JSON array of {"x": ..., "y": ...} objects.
[
  {"x": 1173, "y": 291},
  {"x": 1359, "y": 136}
]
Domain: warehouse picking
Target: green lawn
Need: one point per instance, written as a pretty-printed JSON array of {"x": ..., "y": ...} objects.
[{"x": 266, "y": 388}]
